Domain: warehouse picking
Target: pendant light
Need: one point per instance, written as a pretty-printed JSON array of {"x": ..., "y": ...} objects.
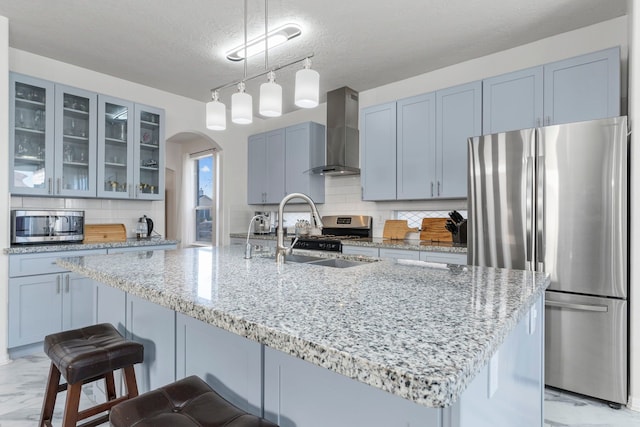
[
  {"x": 216, "y": 113},
  {"x": 271, "y": 97},
  {"x": 270, "y": 92},
  {"x": 307, "y": 92},
  {"x": 241, "y": 106}
]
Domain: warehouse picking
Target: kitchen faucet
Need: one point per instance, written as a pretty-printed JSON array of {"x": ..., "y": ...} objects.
[{"x": 281, "y": 249}]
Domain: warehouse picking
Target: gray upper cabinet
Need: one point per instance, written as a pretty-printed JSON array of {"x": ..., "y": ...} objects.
[
  {"x": 76, "y": 143},
  {"x": 149, "y": 152},
  {"x": 279, "y": 163},
  {"x": 115, "y": 148},
  {"x": 458, "y": 117},
  {"x": 378, "y": 152},
  {"x": 31, "y": 136},
  {"x": 266, "y": 167},
  {"x": 304, "y": 149},
  {"x": 512, "y": 101},
  {"x": 582, "y": 88},
  {"x": 416, "y": 147}
]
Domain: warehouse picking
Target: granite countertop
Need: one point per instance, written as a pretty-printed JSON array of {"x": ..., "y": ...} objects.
[
  {"x": 61, "y": 247},
  {"x": 379, "y": 242},
  {"x": 417, "y": 330}
]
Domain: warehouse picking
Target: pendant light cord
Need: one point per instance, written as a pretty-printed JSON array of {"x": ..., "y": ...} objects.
[
  {"x": 245, "y": 39},
  {"x": 266, "y": 31}
]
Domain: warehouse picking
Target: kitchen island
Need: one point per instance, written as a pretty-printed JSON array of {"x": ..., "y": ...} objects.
[{"x": 381, "y": 343}]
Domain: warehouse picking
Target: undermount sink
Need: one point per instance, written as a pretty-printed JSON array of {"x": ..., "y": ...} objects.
[{"x": 326, "y": 262}]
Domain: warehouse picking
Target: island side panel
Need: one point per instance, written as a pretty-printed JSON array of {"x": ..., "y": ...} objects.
[
  {"x": 229, "y": 363},
  {"x": 509, "y": 391},
  {"x": 298, "y": 393},
  {"x": 154, "y": 327}
]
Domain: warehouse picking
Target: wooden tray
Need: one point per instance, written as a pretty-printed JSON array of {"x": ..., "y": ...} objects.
[
  {"x": 433, "y": 229},
  {"x": 104, "y": 233},
  {"x": 396, "y": 229}
]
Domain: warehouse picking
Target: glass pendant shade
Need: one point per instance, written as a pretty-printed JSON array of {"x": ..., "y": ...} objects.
[
  {"x": 307, "y": 90},
  {"x": 271, "y": 98},
  {"x": 241, "y": 107},
  {"x": 216, "y": 115}
]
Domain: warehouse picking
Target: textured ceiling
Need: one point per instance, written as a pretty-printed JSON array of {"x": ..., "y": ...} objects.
[{"x": 179, "y": 45}]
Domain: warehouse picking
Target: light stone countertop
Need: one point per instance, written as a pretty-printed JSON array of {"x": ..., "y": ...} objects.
[
  {"x": 62, "y": 247},
  {"x": 378, "y": 242},
  {"x": 418, "y": 330}
]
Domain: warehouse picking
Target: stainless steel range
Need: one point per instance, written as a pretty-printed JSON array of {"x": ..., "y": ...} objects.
[{"x": 336, "y": 229}]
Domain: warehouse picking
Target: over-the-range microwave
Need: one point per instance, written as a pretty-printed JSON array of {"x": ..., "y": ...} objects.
[{"x": 42, "y": 226}]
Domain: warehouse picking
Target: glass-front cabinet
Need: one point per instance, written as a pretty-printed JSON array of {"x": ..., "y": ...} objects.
[
  {"x": 75, "y": 142},
  {"x": 31, "y": 137},
  {"x": 115, "y": 148},
  {"x": 149, "y": 153},
  {"x": 130, "y": 150}
]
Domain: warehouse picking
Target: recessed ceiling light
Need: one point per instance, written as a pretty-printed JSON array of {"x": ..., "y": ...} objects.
[{"x": 256, "y": 46}]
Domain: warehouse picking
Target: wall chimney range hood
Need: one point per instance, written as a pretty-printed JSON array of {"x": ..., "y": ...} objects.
[{"x": 342, "y": 157}]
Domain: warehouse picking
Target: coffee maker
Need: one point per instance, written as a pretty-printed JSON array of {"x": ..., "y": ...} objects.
[{"x": 266, "y": 223}]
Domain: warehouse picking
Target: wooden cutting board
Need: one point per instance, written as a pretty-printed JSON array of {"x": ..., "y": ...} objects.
[
  {"x": 433, "y": 229},
  {"x": 104, "y": 233},
  {"x": 396, "y": 229}
]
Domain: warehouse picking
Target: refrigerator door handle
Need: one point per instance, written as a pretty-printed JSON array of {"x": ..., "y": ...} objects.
[
  {"x": 540, "y": 213},
  {"x": 529, "y": 213},
  {"x": 581, "y": 307}
]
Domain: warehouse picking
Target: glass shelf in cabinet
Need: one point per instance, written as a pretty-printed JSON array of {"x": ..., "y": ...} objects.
[
  {"x": 29, "y": 130},
  {"x": 116, "y": 141}
]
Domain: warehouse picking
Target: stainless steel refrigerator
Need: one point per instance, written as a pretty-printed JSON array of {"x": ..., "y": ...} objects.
[{"x": 554, "y": 199}]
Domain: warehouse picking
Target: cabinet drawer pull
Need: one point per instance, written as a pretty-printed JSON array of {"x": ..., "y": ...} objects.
[
  {"x": 57, "y": 284},
  {"x": 66, "y": 283}
]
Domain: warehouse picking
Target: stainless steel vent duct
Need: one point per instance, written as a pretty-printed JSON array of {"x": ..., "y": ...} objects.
[{"x": 342, "y": 134}]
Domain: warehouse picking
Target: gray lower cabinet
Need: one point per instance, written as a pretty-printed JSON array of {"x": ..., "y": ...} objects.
[
  {"x": 298, "y": 393},
  {"x": 153, "y": 326},
  {"x": 582, "y": 88},
  {"x": 229, "y": 363},
  {"x": 399, "y": 253},
  {"x": 45, "y": 298},
  {"x": 444, "y": 257},
  {"x": 361, "y": 250},
  {"x": 48, "y": 303}
]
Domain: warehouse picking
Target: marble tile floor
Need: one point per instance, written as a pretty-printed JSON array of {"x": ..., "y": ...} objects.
[{"x": 23, "y": 380}]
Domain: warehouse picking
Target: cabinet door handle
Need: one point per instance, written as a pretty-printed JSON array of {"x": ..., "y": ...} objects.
[
  {"x": 50, "y": 186},
  {"x": 538, "y": 122},
  {"x": 431, "y": 188},
  {"x": 438, "y": 188},
  {"x": 548, "y": 120},
  {"x": 57, "y": 284},
  {"x": 66, "y": 283},
  {"x": 59, "y": 185}
]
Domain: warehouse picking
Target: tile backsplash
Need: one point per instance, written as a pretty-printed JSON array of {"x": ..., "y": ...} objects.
[{"x": 101, "y": 211}]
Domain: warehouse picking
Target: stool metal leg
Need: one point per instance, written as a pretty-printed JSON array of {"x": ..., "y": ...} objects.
[{"x": 50, "y": 395}]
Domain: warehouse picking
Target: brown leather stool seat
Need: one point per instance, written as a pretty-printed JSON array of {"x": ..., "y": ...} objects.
[
  {"x": 82, "y": 356},
  {"x": 185, "y": 403}
]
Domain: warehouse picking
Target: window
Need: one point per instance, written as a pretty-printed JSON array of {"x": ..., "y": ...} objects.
[{"x": 204, "y": 200}]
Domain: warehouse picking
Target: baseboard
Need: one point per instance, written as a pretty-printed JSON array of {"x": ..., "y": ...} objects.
[{"x": 634, "y": 403}]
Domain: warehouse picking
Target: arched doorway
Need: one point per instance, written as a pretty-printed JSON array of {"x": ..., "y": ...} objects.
[{"x": 193, "y": 189}]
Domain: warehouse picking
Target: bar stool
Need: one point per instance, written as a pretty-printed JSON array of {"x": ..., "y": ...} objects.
[
  {"x": 187, "y": 402},
  {"x": 83, "y": 356}
]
